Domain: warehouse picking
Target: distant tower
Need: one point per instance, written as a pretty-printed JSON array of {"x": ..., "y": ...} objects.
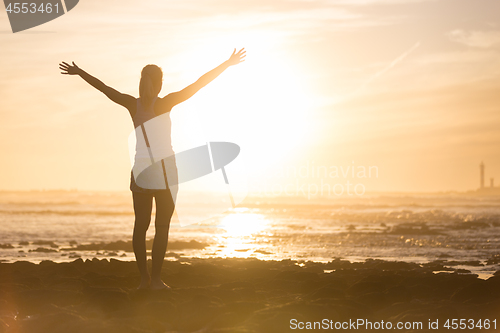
[
  {"x": 492, "y": 183},
  {"x": 481, "y": 169}
]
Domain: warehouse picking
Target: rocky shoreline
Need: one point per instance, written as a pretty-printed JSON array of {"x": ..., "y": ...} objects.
[{"x": 237, "y": 295}]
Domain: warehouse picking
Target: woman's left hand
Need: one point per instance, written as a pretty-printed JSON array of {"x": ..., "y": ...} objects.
[{"x": 237, "y": 57}]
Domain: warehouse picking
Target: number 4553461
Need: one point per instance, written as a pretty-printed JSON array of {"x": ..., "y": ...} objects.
[
  {"x": 462, "y": 324},
  {"x": 27, "y": 8}
]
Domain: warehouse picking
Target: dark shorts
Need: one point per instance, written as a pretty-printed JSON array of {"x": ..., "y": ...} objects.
[{"x": 157, "y": 173}]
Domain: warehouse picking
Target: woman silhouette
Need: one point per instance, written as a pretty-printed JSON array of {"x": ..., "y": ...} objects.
[{"x": 142, "y": 109}]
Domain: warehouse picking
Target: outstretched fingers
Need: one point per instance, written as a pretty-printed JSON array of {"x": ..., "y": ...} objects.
[
  {"x": 64, "y": 68},
  {"x": 240, "y": 55},
  {"x": 68, "y": 69}
]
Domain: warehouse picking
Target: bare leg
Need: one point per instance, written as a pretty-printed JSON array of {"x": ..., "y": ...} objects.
[
  {"x": 164, "y": 211},
  {"x": 143, "y": 204}
]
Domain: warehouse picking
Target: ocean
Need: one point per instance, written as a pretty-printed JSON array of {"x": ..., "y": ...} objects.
[{"x": 457, "y": 231}]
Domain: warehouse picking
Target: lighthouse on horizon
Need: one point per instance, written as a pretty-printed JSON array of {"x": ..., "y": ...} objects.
[{"x": 490, "y": 190}]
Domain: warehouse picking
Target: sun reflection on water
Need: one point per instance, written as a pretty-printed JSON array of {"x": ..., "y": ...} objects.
[
  {"x": 243, "y": 225},
  {"x": 239, "y": 230}
]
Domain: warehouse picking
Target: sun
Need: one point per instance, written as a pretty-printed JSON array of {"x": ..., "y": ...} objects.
[{"x": 263, "y": 104}]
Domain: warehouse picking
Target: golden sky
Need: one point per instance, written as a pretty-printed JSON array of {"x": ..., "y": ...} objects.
[{"x": 410, "y": 87}]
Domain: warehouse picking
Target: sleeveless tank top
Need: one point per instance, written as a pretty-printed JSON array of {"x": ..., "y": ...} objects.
[
  {"x": 144, "y": 114},
  {"x": 156, "y": 130}
]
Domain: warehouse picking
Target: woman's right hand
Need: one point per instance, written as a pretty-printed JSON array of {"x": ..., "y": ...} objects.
[{"x": 67, "y": 69}]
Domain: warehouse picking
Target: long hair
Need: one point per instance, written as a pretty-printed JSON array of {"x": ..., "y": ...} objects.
[{"x": 150, "y": 84}]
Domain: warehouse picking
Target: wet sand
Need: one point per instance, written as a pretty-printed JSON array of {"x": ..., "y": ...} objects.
[{"x": 238, "y": 295}]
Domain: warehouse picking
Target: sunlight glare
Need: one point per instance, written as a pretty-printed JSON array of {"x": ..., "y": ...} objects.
[
  {"x": 262, "y": 104},
  {"x": 243, "y": 225}
]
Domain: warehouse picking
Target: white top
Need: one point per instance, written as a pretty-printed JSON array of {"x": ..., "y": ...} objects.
[{"x": 152, "y": 142}]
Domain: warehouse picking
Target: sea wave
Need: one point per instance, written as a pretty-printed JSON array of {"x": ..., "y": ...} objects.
[{"x": 64, "y": 212}]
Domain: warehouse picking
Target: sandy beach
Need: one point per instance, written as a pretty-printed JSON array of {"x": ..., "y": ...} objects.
[{"x": 242, "y": 295}]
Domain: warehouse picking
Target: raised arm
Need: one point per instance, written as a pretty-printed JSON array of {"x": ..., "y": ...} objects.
[
  {"x": 114, "y": 95},
  {"x": 186, "y": 93}
]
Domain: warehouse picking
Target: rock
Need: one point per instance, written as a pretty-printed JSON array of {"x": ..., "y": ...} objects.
[
  {"x": 365, "y": 287},
  {"x": 393, "y": 265},
  {"x": 107, "y": 299},
  {"x": 478, "y": 292},
  {"x": 43, "y": 250},
  {"x": 34, "y": 301},
  {"x": 398, "y": 293}
]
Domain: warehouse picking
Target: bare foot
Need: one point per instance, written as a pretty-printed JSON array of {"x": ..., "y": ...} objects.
[
  {"x": 158, "y": 285},
  {"x": 145, "y": 284}
]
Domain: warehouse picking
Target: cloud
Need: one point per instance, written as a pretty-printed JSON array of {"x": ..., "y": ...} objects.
[
  {"x": 482, "y": 39},
  {"x": 384, "y": 70}
]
